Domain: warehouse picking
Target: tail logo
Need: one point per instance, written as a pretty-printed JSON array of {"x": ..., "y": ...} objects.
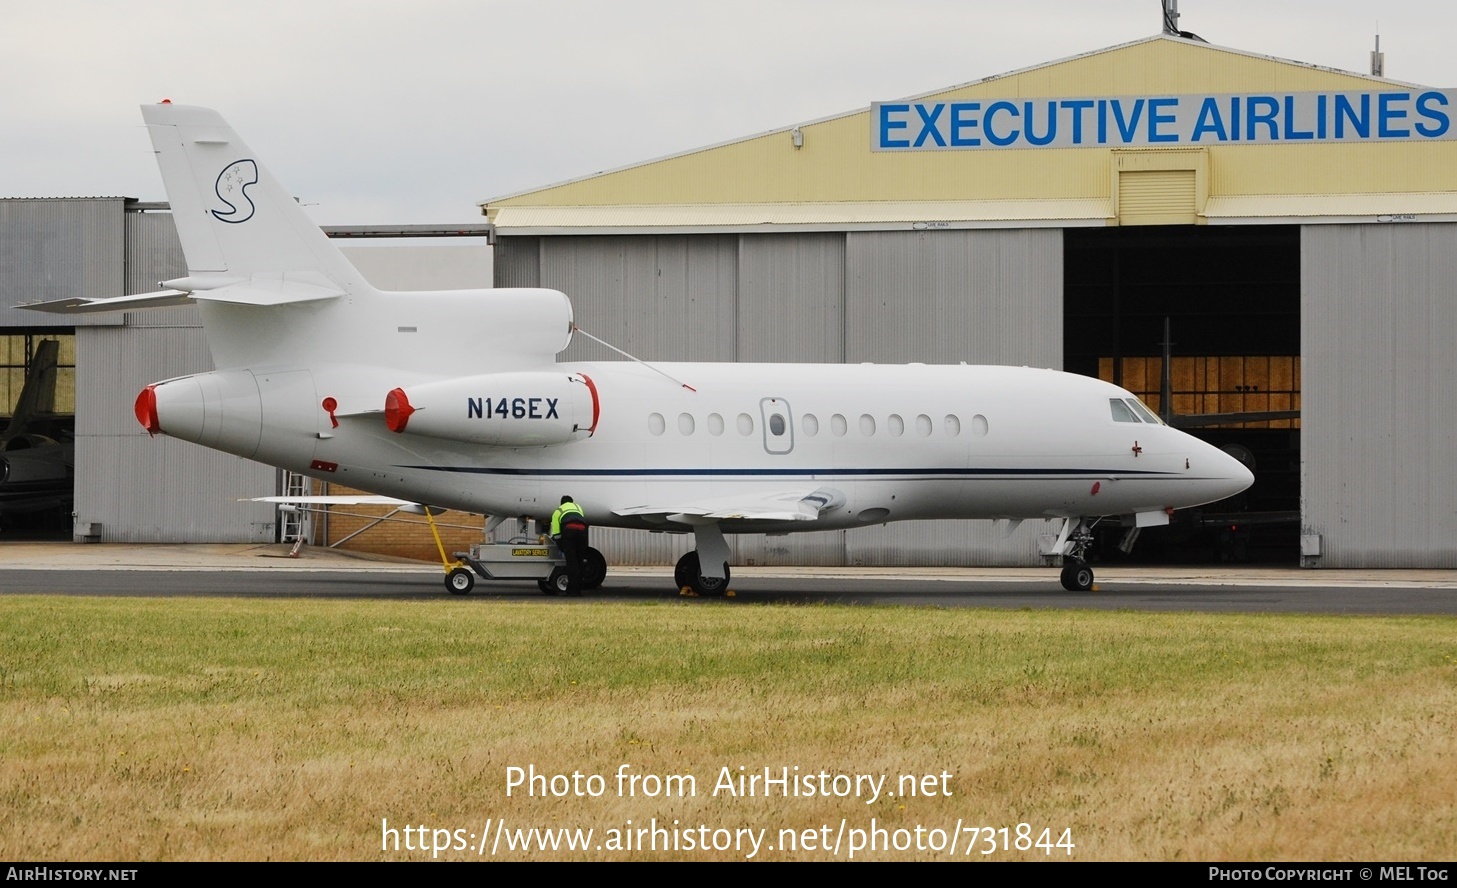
[{"x": 232, "y": 189}]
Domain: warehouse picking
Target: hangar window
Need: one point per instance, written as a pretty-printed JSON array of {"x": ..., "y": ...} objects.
[
  {"x": 811, "y": 424},
  {"x": 895, "y": 425},
  {"x": 715, "y": 424},
  {"x": 656, "y": 424},
  {"x": 838, "y": 425},
  {"x": 1121, "y": 411},
  {"x": 746, "y": 424},
  {"x": 923, "y": 425},
  {"x": 686, "y": 425}
]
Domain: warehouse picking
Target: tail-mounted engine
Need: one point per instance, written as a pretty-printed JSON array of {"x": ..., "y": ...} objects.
[{"x": 532, "y": 409}]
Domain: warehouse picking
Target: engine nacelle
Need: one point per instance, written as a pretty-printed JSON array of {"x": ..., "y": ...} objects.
[
  {"x": 222, "y": 410},
  {"x": 531, "y": 409}
]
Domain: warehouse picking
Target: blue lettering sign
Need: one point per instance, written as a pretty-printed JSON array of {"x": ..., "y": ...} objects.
[{"x": 1133, "y": 121}]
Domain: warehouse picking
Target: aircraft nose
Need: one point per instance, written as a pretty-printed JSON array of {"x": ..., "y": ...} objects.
[{"x": 1234, "y": 475}]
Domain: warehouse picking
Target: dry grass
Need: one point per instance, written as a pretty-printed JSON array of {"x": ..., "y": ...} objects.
[{"x": 192, "y": 729}]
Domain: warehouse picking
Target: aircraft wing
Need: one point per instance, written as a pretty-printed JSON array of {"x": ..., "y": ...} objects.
[
  {"x": 804, "y": 504},
  {"x": 342, "y": 500}
]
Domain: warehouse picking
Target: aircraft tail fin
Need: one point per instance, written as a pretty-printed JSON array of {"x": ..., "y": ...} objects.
[
  {"x": 38, "y": 395},
  {"x": 233, "y": 218}
]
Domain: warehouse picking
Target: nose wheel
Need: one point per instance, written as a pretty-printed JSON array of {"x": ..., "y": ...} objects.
[
  {"x": 1077, "y": 577},
  {"x": 1073, "y": 544}
]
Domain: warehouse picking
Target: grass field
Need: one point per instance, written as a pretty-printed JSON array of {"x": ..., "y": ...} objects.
[{"x": 262, "y": 729}]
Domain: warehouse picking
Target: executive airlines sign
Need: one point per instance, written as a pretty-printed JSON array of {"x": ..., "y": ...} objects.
[{"x": 1409, "y": 115}]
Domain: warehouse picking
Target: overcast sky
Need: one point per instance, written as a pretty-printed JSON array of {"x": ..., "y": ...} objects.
[{"x": 381, "y": 111}]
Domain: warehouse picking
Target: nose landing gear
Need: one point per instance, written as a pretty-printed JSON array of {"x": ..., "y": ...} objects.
[{"x": 1072, "y": 543}]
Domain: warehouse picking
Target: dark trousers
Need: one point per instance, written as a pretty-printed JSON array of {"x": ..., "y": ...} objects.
[{"x": 573, "y": 544}]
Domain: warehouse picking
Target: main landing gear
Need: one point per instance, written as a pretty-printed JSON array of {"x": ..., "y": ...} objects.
[
  {"x": 705, "y": 570},
  {"x": 688, "y": 575},
  {"x": 1072, "y": 544}
]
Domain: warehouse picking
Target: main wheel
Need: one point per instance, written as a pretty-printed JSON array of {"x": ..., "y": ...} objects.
[
  {"x": 688, "y": 573},
  {"x": 685, "y": 570},
  {"x": 460, "y": 581},
  {"x": 1077, "y": 578},
  {"x": 594, "y": 569},
  {"x": 712, "y": 585}
]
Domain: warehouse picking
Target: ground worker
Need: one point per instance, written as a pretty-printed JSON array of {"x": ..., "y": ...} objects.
[{"x": 569, "y": 529}]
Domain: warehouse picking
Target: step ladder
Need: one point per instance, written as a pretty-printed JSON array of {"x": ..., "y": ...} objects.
[{"x": 298, "y": 522}]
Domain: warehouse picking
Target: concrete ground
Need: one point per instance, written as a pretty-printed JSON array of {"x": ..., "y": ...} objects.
[{"x": 234, "y": 557}]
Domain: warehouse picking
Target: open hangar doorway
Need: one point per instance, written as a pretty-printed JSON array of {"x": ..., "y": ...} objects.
[{"x": 1229, "y": 297}]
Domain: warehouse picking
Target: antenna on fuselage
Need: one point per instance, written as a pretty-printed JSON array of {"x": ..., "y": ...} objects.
[{"x": 576, "y": 329}]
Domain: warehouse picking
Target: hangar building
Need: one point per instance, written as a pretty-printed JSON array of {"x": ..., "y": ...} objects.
[{"x": 1294, "y": 225}]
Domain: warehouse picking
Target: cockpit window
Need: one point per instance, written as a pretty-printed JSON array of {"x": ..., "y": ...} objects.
[
  {"x": 1144, "y": 413},
  {"x": 1121, "y": 411}
]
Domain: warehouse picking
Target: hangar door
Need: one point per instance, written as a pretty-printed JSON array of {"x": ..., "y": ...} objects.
[{"x": 1229, "y": 299}]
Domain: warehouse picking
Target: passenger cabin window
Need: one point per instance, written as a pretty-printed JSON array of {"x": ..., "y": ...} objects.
[
  {"x": 811, "y": 424},
  {"x": 1121, "y": 411},
  {"x": 776, "y": 424}
]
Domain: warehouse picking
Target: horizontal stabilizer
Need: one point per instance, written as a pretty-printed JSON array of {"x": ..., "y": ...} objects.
[
  {"x": 252, "y": 292},
  {"x": 267, "y": 293},
  {"x": 159, "y": 299}
]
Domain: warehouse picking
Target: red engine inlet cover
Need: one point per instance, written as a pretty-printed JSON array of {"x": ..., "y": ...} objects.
[
  {"x": 397, "y": 410},
  {"x": 146, "y": 410}
]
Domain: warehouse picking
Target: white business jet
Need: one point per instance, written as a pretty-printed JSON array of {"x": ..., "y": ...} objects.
[{"x": 455, "y": 399}]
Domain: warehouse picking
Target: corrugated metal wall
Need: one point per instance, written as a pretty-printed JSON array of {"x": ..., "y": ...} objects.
[
  {"x": 59, "y": 249},
  {"x": 983, "y": 297},
  {"x": 662, "y": 298},
  {"x": 990, "y": 296},
  {"x": 1379, "y": 415},
  {"x": 142, "y": 489}
]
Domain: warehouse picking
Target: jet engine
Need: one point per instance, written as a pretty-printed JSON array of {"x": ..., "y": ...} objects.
[{"x": 523, "y": 409}]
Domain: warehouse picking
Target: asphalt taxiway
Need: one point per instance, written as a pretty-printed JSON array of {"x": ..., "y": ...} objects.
[{"x": 268, "y": 571}]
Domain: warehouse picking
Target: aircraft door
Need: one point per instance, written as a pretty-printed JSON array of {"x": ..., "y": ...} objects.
[{"x": 778, "y": 425}]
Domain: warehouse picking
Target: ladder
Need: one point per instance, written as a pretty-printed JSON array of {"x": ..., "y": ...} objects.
[{"x": 298, "y": 522}]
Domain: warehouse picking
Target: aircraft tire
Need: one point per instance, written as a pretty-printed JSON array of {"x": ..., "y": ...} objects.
[
  {"x": 685, "y": 570},
  {"x": 711, "y": 586},
  {"x": 460, "y": 581},
  {"x": 594, "y": 569},
  {"x": 687, "y": 573},
  {"x": 1077, "y": 578}
]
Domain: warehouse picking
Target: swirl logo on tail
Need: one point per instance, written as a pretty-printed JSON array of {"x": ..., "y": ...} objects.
[{"x": 232, "y": 189}]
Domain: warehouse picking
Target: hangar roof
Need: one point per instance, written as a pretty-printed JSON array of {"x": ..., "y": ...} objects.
[{"x": 883, "y": 167}]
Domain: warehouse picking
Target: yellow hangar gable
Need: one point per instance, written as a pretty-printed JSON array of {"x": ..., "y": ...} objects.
[{"x": 1163, "y": 130}]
